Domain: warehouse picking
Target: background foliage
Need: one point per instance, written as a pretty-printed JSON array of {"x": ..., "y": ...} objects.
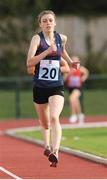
[
  {"x": 16, "y": 28},
  {"x": 83, "y": 7}
]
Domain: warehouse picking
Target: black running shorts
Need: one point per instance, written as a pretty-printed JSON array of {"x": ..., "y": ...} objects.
[
  {"x": 41, "y": 95},
  {"x": 71, "y": 89}
]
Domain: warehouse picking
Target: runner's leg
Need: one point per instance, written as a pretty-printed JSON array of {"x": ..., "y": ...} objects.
[
  {"x": 56, "y": 103},
  {"x": 43, "y": 115}
]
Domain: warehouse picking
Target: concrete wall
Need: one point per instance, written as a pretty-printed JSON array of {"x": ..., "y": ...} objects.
[{"x": 77, "y": 28}]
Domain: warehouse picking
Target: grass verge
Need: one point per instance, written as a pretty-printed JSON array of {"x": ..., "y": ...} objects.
[{"x": 91, "y": 140}]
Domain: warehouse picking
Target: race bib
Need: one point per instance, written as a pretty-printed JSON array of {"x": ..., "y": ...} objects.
[
  {"x": 74, "y": 81},
  {"x": 49, "y": 70}
]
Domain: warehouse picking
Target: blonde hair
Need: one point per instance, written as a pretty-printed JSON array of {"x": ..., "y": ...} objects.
[{"x": 44, "y": 13}]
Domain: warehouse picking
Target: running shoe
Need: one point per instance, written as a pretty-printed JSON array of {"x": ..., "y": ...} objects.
[
  {"x": 53, "y": 160},
  {"x": 81, "y": 118},
  {"x": 47, "y": 152},
  {"x": 73, "y": 118}
]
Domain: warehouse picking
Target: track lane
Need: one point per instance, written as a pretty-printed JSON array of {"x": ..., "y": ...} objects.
[{"x": 27, "y": 161}]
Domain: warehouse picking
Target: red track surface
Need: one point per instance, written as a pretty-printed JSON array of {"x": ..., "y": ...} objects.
[{"x": 26, "y": 160}]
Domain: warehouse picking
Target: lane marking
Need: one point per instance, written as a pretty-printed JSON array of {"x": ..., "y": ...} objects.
[{"x": 9, "y": 173}]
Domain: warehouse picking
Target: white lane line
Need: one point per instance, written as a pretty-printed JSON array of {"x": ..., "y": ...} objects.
[{"x": 9, "y": 173}]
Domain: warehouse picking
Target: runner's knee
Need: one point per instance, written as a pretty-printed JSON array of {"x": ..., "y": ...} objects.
[
  {"x": 44, "y": 124},
  {"x": 54, "y": 119}
]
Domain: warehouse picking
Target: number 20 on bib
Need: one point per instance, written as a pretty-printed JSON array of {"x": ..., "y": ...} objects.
[{"x": 49, "y": 70}]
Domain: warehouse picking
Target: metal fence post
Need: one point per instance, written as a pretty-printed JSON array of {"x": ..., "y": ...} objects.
[{"x": 17, "y": 99}]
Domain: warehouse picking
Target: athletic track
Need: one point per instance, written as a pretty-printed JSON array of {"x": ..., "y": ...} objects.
[{"x": 22, "y": 160}]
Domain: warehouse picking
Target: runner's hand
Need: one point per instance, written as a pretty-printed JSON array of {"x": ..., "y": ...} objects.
[
  {"x": 52, "y": 47},
  {"x": 76, "y": 64}
]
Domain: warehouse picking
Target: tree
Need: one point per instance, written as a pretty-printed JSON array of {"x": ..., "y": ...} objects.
[
  {"x": 17, "y": 26},
  {"x": 81, "y": 7}
]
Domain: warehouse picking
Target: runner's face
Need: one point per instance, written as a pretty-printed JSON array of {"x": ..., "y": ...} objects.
[{"x": 47, "y": 23}]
